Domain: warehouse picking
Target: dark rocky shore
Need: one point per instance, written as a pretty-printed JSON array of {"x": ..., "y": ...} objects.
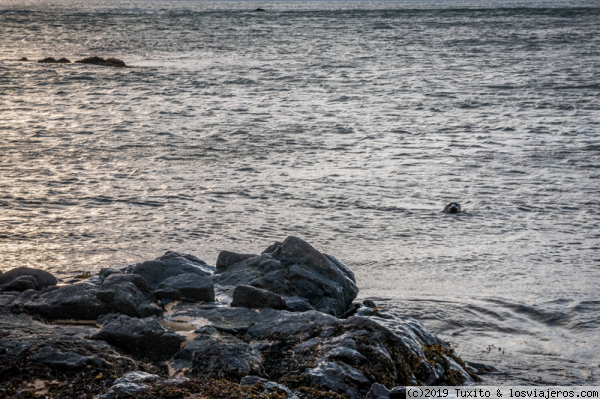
[{"x": 281, "y": 324}]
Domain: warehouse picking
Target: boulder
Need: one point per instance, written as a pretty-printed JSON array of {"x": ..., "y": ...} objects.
[
  {"x": 20, "y": 284},
  {"x": 57, "y": 359},
  {"x": 227, "y": 258},
  {"x": 340, "y": 378},
  {"x": 295, "y": 269},
  {"x": 43, "y": 278},
  {"x": 86, "y": 302},
  {"x": 192, "y": 286},
  {"x": 144, "y": 338},
  {"x": 118, "y": 278},
  {"x": 169, "y": 265},
  {"x": 252, "y": 297}
]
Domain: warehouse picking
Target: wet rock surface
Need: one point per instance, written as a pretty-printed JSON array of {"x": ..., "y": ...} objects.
[{"x": 261, "y": 323}]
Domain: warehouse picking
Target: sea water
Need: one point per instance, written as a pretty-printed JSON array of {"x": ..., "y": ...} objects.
[{"x": 348, "y": 124}]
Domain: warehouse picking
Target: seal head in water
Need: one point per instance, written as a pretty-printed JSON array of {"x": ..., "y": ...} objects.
[{"x": 452, "y": 207}]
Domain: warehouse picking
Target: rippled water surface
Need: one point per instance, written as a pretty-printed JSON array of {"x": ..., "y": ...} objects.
[{"x": 347, "y": 124}]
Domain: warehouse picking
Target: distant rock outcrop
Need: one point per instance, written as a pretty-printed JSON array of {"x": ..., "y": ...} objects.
[{"x": 112, "y": 62}]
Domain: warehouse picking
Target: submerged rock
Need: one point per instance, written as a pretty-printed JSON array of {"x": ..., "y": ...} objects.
[
  {"x": 42, "y": 278},
  {"x": 144, "y": 338},
  {"x": 112, "y": 62},
  {"x": 295, "y": 269}
]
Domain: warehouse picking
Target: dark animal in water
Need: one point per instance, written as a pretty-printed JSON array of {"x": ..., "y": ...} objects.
[{"x": 452, "y": 207}]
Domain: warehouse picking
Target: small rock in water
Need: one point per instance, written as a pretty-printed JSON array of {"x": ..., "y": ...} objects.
[
  {"x": 23, "y": 59},
  {"x": 50, "y": 60},
  {"x": 113, "y": 62},
  {"x": 452, "y": 207},
  {"x": 259, "y": 10}
]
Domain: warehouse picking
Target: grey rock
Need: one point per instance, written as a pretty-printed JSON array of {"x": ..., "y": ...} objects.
[
  {"x": 168, "y": 293},
  {"x": 295, "y": 269},
  {"x": 339, "y": 378},
  {"x": 123, "y": 390},
  {"x": 223, "y": 356},
  {"x": 86, "y": 302},
  {"x": 192, "y": 286},
  {"x": 55, "y": 358},
  {"x": 227, "y": 258},
  {"x": 119, "y": 278},
  {"x": 126, "y": 298},
  {"x": 137, "y": 377},
  {"x": 254, "y": 298},
  {"x": 107, "y": 271},
  {"x": 342, "y": 267},
  {"x": 297, "y": 304},
  {"x": 169, "y": 265},
  {"x": 268, "y": 386},
  {"x": 43, "y": 279},
  {"x": 144, "y": 338},
  {"x": 77, "y": 302},
  {"x": 378, "y": 391},
  {"x": 20, "y": 284},
  {"x": 106, "y": 318}
]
